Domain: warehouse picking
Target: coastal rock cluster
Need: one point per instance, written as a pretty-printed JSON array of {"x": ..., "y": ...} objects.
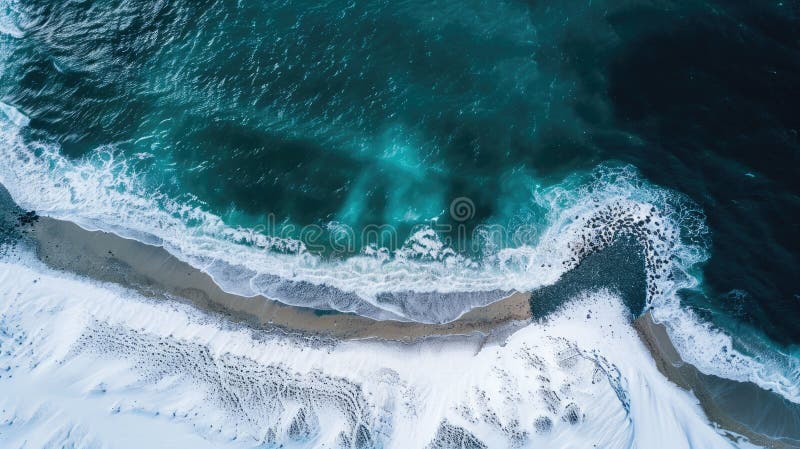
[{"x": 651, "y": 228}]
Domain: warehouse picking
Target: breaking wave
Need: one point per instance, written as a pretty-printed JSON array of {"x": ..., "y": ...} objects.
[{"x": 583, "y": 213}]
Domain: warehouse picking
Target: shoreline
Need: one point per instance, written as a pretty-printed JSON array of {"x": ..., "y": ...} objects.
[
  {"x": 773, "y": 421},
  {"x": 764, "y": 417},
  {"x": 153, "y": 271}
]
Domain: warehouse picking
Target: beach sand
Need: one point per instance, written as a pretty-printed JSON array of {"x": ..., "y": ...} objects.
[
  {"x": 153, "y": 271},
  {"x": 742, "y": 408},
  {"x": 764, "y": 417}
]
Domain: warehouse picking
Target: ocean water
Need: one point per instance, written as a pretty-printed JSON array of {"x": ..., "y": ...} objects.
[{"x": 381, "y": 151}]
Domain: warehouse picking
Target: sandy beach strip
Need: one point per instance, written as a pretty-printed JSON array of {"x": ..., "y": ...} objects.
[
  {"x": 153, "y": 271},
  {"x": 744, "y": 409},
  {"x": 764, "y": 417}
]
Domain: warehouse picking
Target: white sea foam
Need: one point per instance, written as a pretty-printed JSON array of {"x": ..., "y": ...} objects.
[
  {"x": 94, "y": 365},
  {"x": 8, "y": 26},
  {"x": 14, "y": 115},
  {"x": 102, "y": 192}
]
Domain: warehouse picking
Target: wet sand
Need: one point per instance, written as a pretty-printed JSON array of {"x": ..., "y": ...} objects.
[
  {"x": 154, "y": 272},
  {"x": 764, "y": 417}
]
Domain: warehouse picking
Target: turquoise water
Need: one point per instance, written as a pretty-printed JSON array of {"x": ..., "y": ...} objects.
[
  {"x": 275, "y": 109},
  {"x": 277, "y": 116}
]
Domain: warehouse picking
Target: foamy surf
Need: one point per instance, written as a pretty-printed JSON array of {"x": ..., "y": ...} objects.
[
  {"x": 162, "y": 375},
  {"x": 585, "y": 213}
]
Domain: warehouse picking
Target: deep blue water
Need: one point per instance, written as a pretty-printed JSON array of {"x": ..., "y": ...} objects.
[{"x": 384, "y": 112}]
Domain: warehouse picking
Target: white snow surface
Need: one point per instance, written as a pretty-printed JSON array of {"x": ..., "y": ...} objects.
[{"x": 90, "y": 365}]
